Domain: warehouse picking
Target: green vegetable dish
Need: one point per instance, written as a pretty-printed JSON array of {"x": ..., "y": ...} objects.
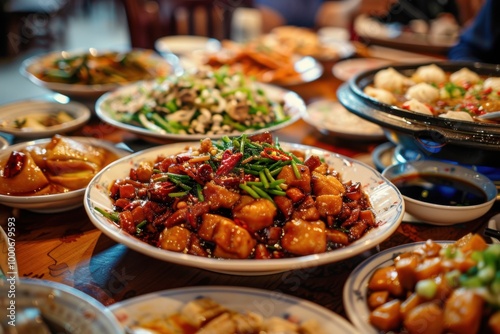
[{"x": 206, "y": 102}]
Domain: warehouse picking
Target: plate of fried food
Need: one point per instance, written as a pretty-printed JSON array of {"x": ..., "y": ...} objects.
[
  {"x": 246, "y": 205},
  {"x": 265, "y": 60},
  {"x": 209, "y": 309},
  {"x": 306, "y": 42},
  {"x": 427, "y": 287},
  {"x": 50, "y": 175},
  {"x": 87, "y": 74},
  {"x": 198, "y": 104}
]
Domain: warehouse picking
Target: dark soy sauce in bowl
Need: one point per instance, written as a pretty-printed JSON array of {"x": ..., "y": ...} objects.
[{"x": 439, "y": 189}]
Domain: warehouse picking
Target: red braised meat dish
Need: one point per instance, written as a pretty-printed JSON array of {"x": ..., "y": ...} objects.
[{"x": 241, "y": 198}]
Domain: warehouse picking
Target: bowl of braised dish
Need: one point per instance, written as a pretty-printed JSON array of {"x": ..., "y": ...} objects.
[
  {"x": 50, "y": 175},
  {"x": 440, "y": 108},
  {"x": 87, "y": 74}
]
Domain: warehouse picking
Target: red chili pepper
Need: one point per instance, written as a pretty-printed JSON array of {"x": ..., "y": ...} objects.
[
  {"x": 14, "y": 164},
  {"x": 275, "y": 154},
  {"x": 229, "y": 161}
]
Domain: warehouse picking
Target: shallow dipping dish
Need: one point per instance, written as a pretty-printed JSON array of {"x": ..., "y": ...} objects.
[
  {"x": 438, "y": 214},
  {"x": 52, "y": 203}
]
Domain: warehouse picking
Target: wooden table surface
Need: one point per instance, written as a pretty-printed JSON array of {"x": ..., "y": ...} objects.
[{"x": 67, "y": 248}]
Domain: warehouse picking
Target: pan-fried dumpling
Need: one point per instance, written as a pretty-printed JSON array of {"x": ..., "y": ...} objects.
[
  {"x": 464, "y": 75},
  {"x": 417, "y": 106},
  {"x": 380, "y": 95},
  {"x": 430, "y": 74},
  {"x": 458, "y": 115},
  {"x": 423, "y": 92},
  {"x": 391, "y": 80}
]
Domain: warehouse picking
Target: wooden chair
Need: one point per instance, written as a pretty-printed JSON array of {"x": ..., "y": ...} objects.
[{"x": 149, "y": 20}]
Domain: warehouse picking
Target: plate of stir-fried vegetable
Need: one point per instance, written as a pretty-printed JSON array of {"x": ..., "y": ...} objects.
[
  {"x": 200, "y": 103},
  {"x": 246, "y": 205},
  {"x": 90, "y": 73}
]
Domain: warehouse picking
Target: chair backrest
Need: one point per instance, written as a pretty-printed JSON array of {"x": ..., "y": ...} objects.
[{"x": 149, "y": 20}]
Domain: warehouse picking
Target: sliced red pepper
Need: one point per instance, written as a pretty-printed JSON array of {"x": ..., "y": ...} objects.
[
  {"x": 275, "y": 154},
  {"x": 229, "y": 161}
]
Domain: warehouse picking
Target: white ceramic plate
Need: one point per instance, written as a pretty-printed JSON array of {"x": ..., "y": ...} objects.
[
  {"x": 55, "y": 202},
  {"x": 356, "y": 287},
  {"x": 263, "y": 302},
  {"x": 443, "y": 215},
  {"x": 35, "y": 64},
  {"x": 34, "y": 108},
  {"x": 385, "y": 198},
  {"x": 333, "y": 119},
  {"x": 292, "y": 102},
  {"x": 61, "y": 304},
  {"x": 346, "y": 69},
  {"x": 185, "y": 44}
]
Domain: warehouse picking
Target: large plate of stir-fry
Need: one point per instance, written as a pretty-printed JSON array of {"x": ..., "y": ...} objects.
[
  {"x": 90, "y": 73},
  {"x": 198, "y": 104},
  {"x": 246, "y": 205}
]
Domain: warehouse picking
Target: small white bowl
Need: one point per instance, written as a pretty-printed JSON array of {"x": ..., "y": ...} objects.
[
  {"x": 439, "y": 214},
  {"x": 54, "y": 202},
  {"x": 58, "y": 304},
  {"x": 30, "y": 108}
]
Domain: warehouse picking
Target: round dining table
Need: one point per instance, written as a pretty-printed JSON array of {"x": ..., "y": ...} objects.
[{"x": 67, "y": 248}]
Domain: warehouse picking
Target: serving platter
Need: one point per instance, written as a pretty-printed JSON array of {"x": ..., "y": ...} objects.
[
  {"x": 387, "y": 203},
  {"x": 33, "y": 66},
  {"x": 292, "y": 103},
  {"x": 465, "y": 142},
  {"x": 161, "y": 304}
]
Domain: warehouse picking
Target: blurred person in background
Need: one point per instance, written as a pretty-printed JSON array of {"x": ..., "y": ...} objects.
[
  {"x": 306, "y": 13},
  {"x": 480, "y": 41}
]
